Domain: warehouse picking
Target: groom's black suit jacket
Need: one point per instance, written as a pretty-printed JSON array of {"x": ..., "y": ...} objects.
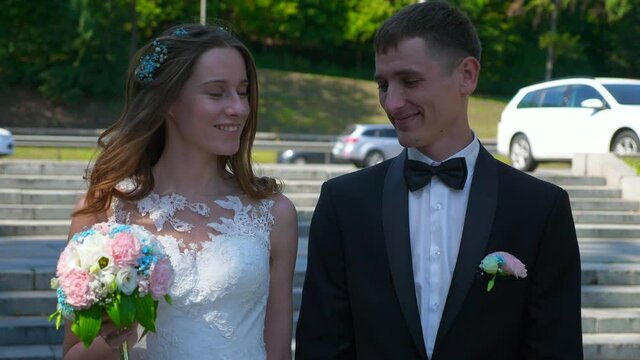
[{"x": 359, "y": 299}]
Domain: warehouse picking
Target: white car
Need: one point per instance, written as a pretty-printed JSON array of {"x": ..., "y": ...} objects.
[
  {"x": 7, "y": 146},
  {"x": 553, "y": 120},
  {"x": 367, "y": 144}
]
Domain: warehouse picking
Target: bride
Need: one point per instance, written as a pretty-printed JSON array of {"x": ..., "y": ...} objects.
[{"x": 178, "y": 162}]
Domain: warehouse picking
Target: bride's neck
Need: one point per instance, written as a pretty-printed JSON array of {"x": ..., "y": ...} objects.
[{"x": 190, "y": 176}]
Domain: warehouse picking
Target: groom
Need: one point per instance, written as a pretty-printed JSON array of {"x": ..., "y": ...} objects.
[{"x": 394, "y": 250}]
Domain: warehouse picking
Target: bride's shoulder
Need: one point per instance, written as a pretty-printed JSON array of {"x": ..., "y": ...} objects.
[
  {"x": 284, "y": 233},
  {"x": 282, "y": 207}
]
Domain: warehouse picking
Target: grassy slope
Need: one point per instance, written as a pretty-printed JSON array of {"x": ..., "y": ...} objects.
[{"x": 295, "y": 102}]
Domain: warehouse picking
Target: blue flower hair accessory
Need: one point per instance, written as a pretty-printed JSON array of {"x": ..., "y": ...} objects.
[
  {"x": 180, "y": 32},
  {"x": 150, "y": 63}
]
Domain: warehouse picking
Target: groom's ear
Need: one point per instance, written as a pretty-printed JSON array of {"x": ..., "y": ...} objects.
[{"x": 468, "y": 74}]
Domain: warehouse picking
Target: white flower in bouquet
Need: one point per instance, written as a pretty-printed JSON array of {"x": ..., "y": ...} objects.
[{"x": 127, "y": 280}]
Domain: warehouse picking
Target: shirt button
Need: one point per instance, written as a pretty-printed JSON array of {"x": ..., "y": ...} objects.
[
  {"x": 438, "y": 206},
  {"x": 435, "y": 305},
  {"x": 435, "y": 253}
]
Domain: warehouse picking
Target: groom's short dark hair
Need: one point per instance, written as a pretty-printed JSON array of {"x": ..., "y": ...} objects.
[{"x": 445, "y": 29}]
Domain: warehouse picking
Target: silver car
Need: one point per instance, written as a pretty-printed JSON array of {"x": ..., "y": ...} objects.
[
  {"x": 367, "y": 144},
  {"x": 7, "y": 146}
]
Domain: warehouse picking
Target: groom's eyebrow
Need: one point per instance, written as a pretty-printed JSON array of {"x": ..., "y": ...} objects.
[{"x": 399, "y": 73}]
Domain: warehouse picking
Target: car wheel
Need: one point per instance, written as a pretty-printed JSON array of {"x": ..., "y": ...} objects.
[
  {"x": 373, "y": 158},
  {"x": 520, "y": 154},
  {"x": 625, "y": 143}
]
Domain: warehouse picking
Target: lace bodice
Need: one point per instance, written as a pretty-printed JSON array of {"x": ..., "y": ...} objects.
[{"x": 221, "y": 278}]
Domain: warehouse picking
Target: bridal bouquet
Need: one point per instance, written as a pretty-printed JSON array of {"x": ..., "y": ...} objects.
[{"x": 114, "y": 268}]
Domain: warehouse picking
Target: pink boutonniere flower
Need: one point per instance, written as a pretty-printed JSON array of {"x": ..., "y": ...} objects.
[{"x": 502, "y": 263}]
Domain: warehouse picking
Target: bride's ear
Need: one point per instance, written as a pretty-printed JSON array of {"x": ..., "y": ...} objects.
[{"x": 169, "y": 116}]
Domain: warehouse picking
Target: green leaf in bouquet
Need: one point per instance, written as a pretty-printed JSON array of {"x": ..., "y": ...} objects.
[
  {"x": 58, "y": 316},
  {"x": 167, "y": 298},
  {"x": 52, "y": 316},
  {"x": 146, "y": 311},
  {"x": 86, "y": 324},
  {"x": 59, "y": 321},
  {"x": 127, "y": 310},
  {"x": 113, "y": 310}
]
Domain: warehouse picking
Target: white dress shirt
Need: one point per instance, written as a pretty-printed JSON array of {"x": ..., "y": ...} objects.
[{"x": 436, "y": 220}]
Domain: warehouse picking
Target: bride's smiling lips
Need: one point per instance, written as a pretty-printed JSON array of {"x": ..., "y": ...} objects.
[{"x": 228, "y": 127}]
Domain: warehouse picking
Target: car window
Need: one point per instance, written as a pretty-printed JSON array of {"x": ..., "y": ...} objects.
[
  {"x": 555, "y": 97},
  {"x": 389, "y": 133},
  {"x": 370, "y": 133},
  {"x": 530, "y": 100},
  {"x": 625, "y": 94},
  {"x": 580, "y": 93}
]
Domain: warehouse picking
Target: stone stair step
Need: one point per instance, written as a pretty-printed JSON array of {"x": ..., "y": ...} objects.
[
  {"x": 608, "y": 231},
  {"x": 42, "y": 167},
  {"x": 610, "y": 273},
  {"x": 281, "y": 171},
  {"x": 602, "y": 250},
  {"x": 606, "y": 217},
  {"x": 610, "y": 320},
  {"x": 36, "y": 212},
  {"x": 25, "y": 280},
  {"x": 34, "y": 227},
  {"x": 27, "y": 302},
  {"x": 591, "y": 204},
  {"x": 566, "y": 178},
  {"x": 29, "y": 330},
  {"x": 303, "y": 200},
  {"x": 610, "y": 296},
  {"x": 308, "y": 172},
  {"x": 302, "y": 186},
  {"x": 592, "y": 192},
  {"x": 611, "y": 346},
  {"x": 63, "y": 182},
  {"x": 39, "y": 196},
  {"x": 31, "y": 352}
]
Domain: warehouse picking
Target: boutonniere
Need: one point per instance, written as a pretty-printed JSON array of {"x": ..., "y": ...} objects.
[{"x": 502, "y": 263}]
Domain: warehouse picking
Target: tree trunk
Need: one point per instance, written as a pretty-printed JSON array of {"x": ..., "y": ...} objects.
[{"x": 552, "y": 43}]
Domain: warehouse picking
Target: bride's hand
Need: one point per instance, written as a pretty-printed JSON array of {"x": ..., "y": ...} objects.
[{"x": 114, "y": 337}]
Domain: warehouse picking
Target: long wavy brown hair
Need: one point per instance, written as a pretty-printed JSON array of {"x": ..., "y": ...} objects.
[{"x": 132, "y": 145}]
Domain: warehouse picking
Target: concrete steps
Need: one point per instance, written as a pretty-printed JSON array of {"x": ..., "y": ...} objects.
[
  {"x": 31, "y": 352},
  {"x": 611, "y": 346},
  {"x": 36, "y": 199}
]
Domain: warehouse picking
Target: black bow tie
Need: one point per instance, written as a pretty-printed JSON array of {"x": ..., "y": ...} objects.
[{"x": 452, "y": 172}]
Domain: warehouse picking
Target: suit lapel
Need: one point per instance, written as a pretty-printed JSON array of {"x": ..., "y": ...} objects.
[
  {"x": 475, "y": 236},
  {"x": 395, "y": 222}
]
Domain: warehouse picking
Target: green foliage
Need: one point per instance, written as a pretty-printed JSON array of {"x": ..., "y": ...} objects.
[
  {"x": 86, "y": 324},
  {"x": 145, "y": 309},
  {"x": 78, "y": 49}
]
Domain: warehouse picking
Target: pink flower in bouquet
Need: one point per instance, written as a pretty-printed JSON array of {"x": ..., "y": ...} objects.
[
  {"x": 68, "y": 260},
  {"x": 125, "y": 249},
  {"x": 75, "y": 284},
  {"x": 160, "y": 279}
]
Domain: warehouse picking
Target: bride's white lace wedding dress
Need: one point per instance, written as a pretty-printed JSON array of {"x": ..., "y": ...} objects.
[{"x": 221, "y": 276}]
